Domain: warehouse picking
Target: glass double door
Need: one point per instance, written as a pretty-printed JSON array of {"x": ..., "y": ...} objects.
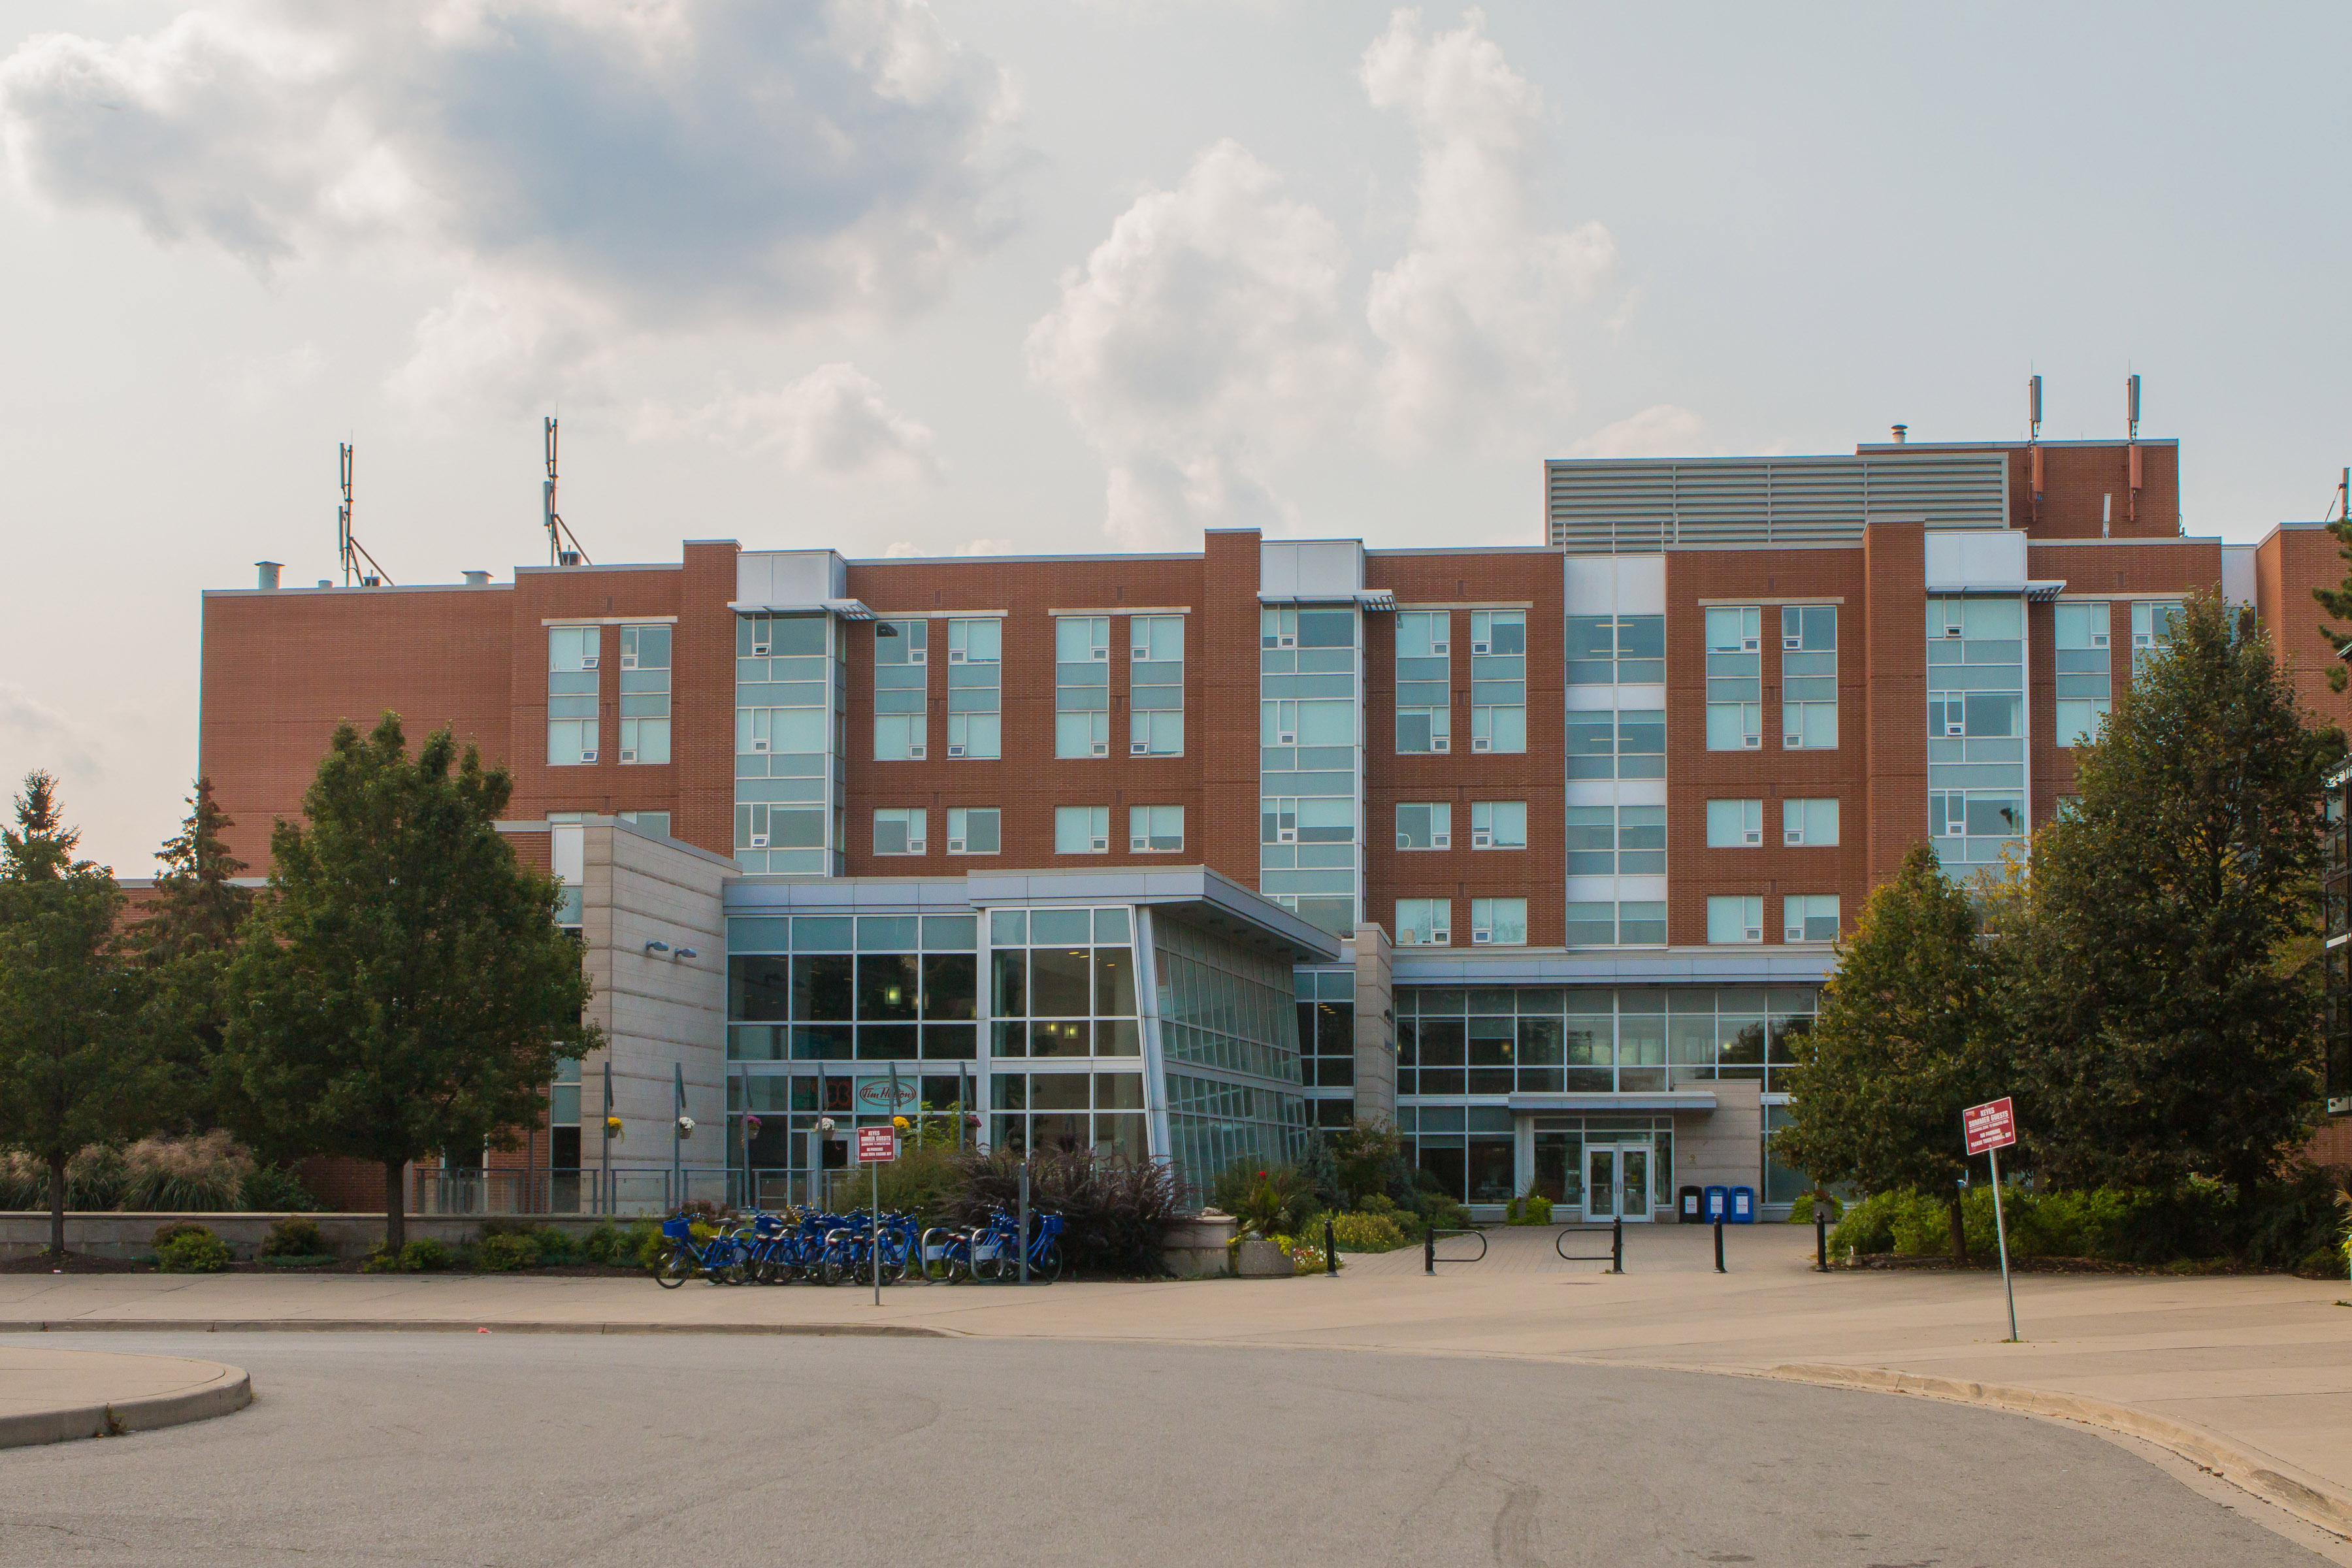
[{"x": 1617, "y": 1182}]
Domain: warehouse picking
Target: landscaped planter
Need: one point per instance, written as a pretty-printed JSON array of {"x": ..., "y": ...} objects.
[{"x": 1260, "y": 1260}]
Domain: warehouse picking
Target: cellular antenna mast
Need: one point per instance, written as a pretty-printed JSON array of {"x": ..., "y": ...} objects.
[
  {"x": 349, "y": 549},
  {"x": 562, "y": 544}
]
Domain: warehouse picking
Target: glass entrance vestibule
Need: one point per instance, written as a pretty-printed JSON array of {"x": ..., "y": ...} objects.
[{"x": 1591, "y": 1166}]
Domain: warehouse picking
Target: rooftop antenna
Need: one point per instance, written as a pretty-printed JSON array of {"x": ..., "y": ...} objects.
[
  {"x": 2033, "y": 442},
  {"x": 2033, "y": 406},
  {"x": 2131, "y": 437},
  {"x": 562, "y": 544},
  {"x": 349, "y": 549}
]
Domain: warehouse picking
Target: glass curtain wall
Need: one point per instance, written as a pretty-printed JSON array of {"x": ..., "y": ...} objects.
[
  {"x": 1229, "y": 1039},
  {"x": 1976, "y": 729},
  {"x": 1326, "y": 1043},
  {"x": 1452, "y": 1042},
  {"x": 790, "y": 734},
  {"x": 1063, "y": 1003},
  {"x": 1310, "y": 857}
]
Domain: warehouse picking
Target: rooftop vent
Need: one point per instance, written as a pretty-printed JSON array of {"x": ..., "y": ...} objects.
[
  {"x": 567, "y": 558},
  {"x": 477, "y": 579},
  {"x": 268, "y": 571},
  {"x": 1901, "y": 431}
]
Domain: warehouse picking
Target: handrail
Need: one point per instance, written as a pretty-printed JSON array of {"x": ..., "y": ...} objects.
[{"x": 1429, "y": 1258}]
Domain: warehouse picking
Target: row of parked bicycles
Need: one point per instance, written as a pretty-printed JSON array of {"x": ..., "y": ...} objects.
[{"x": 831, "y": 1250}]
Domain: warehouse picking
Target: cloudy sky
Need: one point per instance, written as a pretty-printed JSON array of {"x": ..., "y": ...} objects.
[{"x": 1080, "y": 273}]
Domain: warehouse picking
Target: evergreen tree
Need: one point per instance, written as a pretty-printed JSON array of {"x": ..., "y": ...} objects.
[
  {"x": 2164, "y": 976},
  {"x": 1904, "y": 1044},
  {"x": 73, "y": 1071},
  {"x": 405, "y": 988},
  {"x": 2337, "y": 602},
  {"x": 185, "y": 943}
]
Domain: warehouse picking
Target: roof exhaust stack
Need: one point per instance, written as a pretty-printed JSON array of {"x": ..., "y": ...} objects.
[
  {"x": 1901, "y": 432},
  {"x": 268, "y": 571},
  {"x": 477, "y": 579}
]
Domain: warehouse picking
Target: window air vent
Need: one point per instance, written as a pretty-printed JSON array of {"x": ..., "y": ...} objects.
[
  {"x": 915, "y": 752},
  {"x": 1757, "y": 742},
  {"x": 1138, "y": 747},
  {"x": 628, "y": 661},
  {"x": 1481, "y": 838},
  {"x": 628, "y": 754},
  {"x": 1441, "y": 841},
  {"x": 955, "y": 846},
  {"x": 955, "y": 750},
  {"x": 587, "y": 661},
  {"x": 759, "y": 650},
  {"x": 589, "y": 755},
  {"x": 1954, "y": 727},
  {"x": 1791, "y": 644},
  {"x": 917, "y": 655},
  {"x": 914, "y": 846},
  {"x": 1144, "y": 652},
  {"x": 760, "y": 745},
  {"x": 1285, "y": 642},
  {"x": 1441, "y": 743},
  {"x": 1951, "y": 631},
  {"x": 1285, "y": 738},
  {"x": 1792, "y": 836},
  {"x": 1441, "y": 938},
  {"x": 1792, "y": 742},
  {"x": 1482, "y": 647},
  {"x": 1102, "y": 748},
  {"x": 1751, "y": 645},
  {"x": 1479, "y": 937},
  {"x": 1481, "y": 743},
  {"x": 1138, "y": 846},
  {"x": 1793, "y": 934},
  {"x": 956, "y": 656},
  {"x": 1441, "y": 647},
  {"x": 1754, "y": 933},
  {"x": 1754, "y": 836},
  {"x": 1102, "y": 653},
  {"x": 2098, "y": 639},
  {"x": 758, "y": 841},
  {"x": 1102, "y": 845}
]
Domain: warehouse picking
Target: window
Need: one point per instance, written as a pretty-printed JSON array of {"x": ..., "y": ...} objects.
[
  {"x": 975, "y": 681},
  {"x": 1155, "y": 829},
  {"x": 2086, "y": 670},
  {"x": 1809, "y": 822},
  {"x": 645, "y": 694},
  {"x": 1626, "y": 650},
  {"x": 1082, "y": 686},
  {"x": 1498, "y": 680},
  {"x": 571, "y": 658},
  {"x": 1424, "y": 826},
  {"x": 1976, "y": 726},
  {"x": 1499, "y": 923},
  {"x": 1976, "y": 813},
  {"x": 1082, "y": 830},
  {"x": 1734, "y": 824},
  {"x": 1630, "y": 744},
  {"x": 1155, "y": 686},
  {"x": 1735, "y": 678},
  {"x": 1604, "y": 840},
  {"x": 1424, "y": 672},
  {"x": 901, "y": 657},
  {"x": 1808, "y": 677},
  {"x": 1498, "y": 824},
  {"x": 648, "y": 821},
  {"x": 974, "y": 830},
  {"x": 765, "y": 826},
  {"x": 1308, "y": 723},
  {"x": 1424, "y": 922},
  {"x": 2152, "y": 625},
  {"x": 1332, "y": 820},
  {"x": 898, "y": 831},
  {"x": 788, "y": 742},
  {"x": 1634, "y": 923},
  {"x": 1735, "y": 920},
  {"x": 1809, "y": 917}
]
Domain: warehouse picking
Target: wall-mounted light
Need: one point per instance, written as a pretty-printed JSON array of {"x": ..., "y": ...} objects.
[
  {"x": 684, "y": 952},
  {"x": 656, "y": 947}
]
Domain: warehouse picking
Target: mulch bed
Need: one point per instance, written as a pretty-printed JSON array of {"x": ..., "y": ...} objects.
[
  {"x": 82, "y": 1263},
  {"x": 1991, "y": 1263}
]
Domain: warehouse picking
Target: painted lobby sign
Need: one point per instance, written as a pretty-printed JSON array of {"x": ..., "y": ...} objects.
[{"x": 874, "y": 1095}]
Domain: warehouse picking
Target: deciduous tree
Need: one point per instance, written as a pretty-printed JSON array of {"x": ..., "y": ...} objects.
[{"x": 406, "y": 989}]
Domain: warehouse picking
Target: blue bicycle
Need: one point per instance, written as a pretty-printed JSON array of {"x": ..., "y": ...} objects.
[{"x": 723, "y": 1260}]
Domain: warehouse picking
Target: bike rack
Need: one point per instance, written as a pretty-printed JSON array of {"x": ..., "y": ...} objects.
[
  {"x": 1615, "y": 1257},
  {"x": 1429, "y": 1258}
]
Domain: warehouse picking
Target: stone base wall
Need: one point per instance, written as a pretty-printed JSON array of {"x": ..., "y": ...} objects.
[{"x": 109, "y": 1234}]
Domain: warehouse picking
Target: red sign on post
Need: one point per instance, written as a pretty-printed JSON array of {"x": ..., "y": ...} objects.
[
  {"x": 876, "y": 1144},
  {"x": 1988, "y": 1126}
]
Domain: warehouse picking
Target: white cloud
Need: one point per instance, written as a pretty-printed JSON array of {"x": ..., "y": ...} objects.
[
  {"x": 1472, "y": 314},
  {"x": 646, "y": 166},
  {"x": 63, "y": 742},
  {"x": 259, "y": 379},
  {"x": 1661, "y": 430},
  {"x": 834, "y": 424},
  {"x": 1201, "y": 335}
]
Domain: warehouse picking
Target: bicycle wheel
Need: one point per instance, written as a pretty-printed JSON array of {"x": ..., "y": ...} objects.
[
  {"x": 673, "y": 1267},
  {"x": 1045, "y": 1266}
]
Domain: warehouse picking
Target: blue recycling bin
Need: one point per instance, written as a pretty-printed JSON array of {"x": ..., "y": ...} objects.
[
  {"x": 1718, "y": 1204},
  {"x": 1743, "y": 1207}
]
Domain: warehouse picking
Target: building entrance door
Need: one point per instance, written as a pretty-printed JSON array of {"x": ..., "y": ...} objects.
[{"x": 1617, "y": 1182}]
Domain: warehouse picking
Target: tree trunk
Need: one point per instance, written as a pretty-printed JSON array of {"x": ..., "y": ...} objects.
[
  {"x": 1959, "y": 1233},
  {"x": 57, "y": 1205},
  {"x": 395, "y": 1204}
]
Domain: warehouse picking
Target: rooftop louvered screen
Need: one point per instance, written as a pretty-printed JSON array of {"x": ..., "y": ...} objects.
[{"x": 1607, "y": 506}]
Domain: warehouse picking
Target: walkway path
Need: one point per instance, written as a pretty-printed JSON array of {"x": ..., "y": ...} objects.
[
  {"x": 53, "y": 1394},
  {"x": 2251, "y": 1376}
]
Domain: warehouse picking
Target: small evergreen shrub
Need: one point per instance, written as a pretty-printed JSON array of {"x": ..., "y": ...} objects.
[
  {"x": 275, "y": 1189},
  {"x": 172, "y": 1228},
  {"x": 193, "y": 1249},
  {"x": 602, "y": 1244},
  {"x": 505, "y": 1252},
  {"x": 296, "y": 1236},
  {"x": 1801, "y": 1211},
  {"x": 555, "y": 1244},
  {"x": 1366, "y": 1232}
]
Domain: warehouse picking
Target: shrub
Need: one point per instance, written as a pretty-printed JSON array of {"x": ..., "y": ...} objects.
[
  {"x": 193, "y": 1249},
  {"x": 641, "y": 1244},
  {"x": 296, "y": 1236},
  {"x": 1116, "y": 1212},
  {"x": 922, "y": 1181},
  {"x": 425, "y": 1255},
  {"x": 504, "y": 1253},
  {"x": 1365, "y": 1232},
  {"x": 1305, "y": 1256},
  {"x": 1801, "y": 1211},
  {"x": 1439, "y": 1212},
  {"x": 204, "y": 1172},
  {"x": 555, "y": 1244},
  {"x": 275, "y": 1189},
  {"x": 1363, "y": 1155},
  {"x": 169, "y": 1228},
  {"x": 1268, "y": 1200},
  {"x": 603, "y": 1241}
]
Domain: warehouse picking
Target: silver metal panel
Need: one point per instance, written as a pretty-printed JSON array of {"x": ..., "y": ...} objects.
[{"x": 1641, "y": 506}]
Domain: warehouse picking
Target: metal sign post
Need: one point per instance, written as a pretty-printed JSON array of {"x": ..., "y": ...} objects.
[
  {"x": 875, "y": 1145},
  {"x": 1988, "y": 1129},
  {"x": 1024, "y": 1242}
]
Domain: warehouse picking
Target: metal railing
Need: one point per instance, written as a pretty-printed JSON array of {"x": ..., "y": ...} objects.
[
  {"x": 1615, "y": 1257},
  {"x": 1429, "y": 1258},
  {"x": 621, "y": 1193}
]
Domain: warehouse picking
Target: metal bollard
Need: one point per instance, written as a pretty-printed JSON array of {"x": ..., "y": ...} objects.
[
  {"x": 1330, "y": 1249},
  {"x": 1821, "y": 1236},
  {"x": 1719, "y": 1246},
  {"x": 1429, "y": 1251},
  {"x": 1023, "y": 1242},
  {"x": 1617, "y": 1244}
]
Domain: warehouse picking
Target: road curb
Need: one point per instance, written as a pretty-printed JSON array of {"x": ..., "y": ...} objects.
[
  {"x": 2307, "y": 1499},
  {"x": 453, "y": 1326},
  {"x": 231, "y": 1390}
]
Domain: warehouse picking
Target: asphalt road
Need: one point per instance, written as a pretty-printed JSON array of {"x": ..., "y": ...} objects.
[{"x": 586, "y": 1451}]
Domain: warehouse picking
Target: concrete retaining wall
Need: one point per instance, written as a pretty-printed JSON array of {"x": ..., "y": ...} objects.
[{"x": 107, "y": 1235}]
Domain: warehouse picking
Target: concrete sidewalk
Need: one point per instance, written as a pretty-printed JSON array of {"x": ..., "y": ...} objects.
[
  {"x": 54, "y": 1395},
  {"x": 2250, "y": 1377}
]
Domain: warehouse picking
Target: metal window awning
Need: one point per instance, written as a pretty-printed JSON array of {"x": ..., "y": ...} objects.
[
  {"x": 1669, "y": 1099},
  {"x": 847, "y": 609}
]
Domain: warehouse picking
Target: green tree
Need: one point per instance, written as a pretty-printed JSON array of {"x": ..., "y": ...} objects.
[
  {"x": 2337, "y": 602},
  {"x": 1365, "y": 1155},
  {"x": 2165, "y": 975},
  {"x": 185, "y": 943},
  {"x": 73, "y": 1071},
  {"x": 405, "y": 988},
  {"x": 1902, "y": 1046}
]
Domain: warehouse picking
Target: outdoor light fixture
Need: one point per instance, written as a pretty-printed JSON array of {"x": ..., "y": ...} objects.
[
  {"x": 685, "y": 952},
  {"x": 685, "y": 1126},
  {"x": 656, "y": 947}
]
